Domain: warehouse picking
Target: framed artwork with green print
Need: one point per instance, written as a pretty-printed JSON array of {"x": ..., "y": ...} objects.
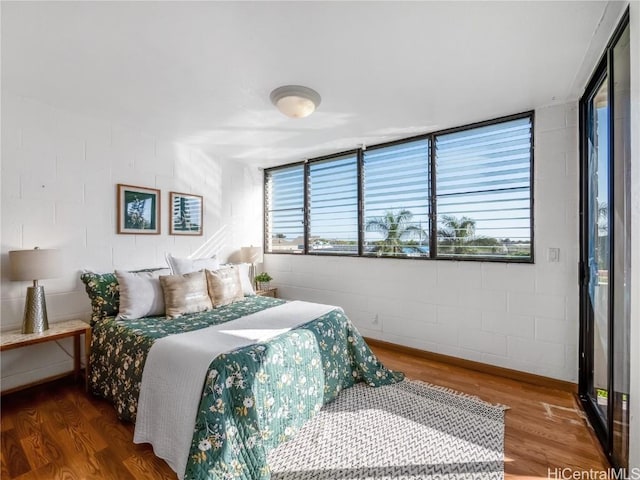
[{"x": 138, "y": 210}]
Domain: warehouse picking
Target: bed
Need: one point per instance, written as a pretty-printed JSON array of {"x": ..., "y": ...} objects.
[{"x": 250, "y": 399}]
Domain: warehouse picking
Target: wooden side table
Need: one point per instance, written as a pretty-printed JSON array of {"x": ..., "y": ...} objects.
[
  {"x": 70, "y": 328},
  {"x": 269, "y": 292}
]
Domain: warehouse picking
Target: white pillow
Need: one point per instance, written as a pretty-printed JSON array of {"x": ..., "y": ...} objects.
[
  {"x": 140, "y": 293},
  {"x": 180, "y": 266},
  {"x": 245, "y": 280}
]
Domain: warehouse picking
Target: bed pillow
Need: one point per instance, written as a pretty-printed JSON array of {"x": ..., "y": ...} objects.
[
  {"x": 180, "y": 266},
  {"x": 224, "y": 286},
  {"x": 140, "y": 293},
  {"x": 103, "y": 292},
  {"x": 245, "y": 280},
  {"x": 185, "y": 294}
]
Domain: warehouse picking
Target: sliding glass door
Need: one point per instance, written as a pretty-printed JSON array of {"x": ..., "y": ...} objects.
[
  {"x": 621, "y": 258},
  {"x": 598, "y": 243},
  {"x": 605, "y": 248}
]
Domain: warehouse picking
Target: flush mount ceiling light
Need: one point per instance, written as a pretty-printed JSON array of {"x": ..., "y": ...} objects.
[{"x": 295, "y": 101}]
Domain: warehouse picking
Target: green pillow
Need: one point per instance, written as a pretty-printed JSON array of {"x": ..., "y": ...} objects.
[{"x": 104, "y": 293}]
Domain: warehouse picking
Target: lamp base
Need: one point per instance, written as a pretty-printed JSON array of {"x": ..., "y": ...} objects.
[
  {"x": 252, "y": 274},
  {"x": 35, "y": 311}
]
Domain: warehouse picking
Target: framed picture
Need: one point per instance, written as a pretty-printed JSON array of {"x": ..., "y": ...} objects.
[
  {"x": 186, "y": 214},
  {"x": 138, "y": 210}
]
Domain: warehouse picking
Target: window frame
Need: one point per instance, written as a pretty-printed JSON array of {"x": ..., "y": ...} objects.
[
  {"x": 265, "y": 204},
  {"x": 433, "y": 226},
  {"x": 307, "y": 196},
  {"x": 430, "y": 165},
  {"x": 529, "y": 114}
]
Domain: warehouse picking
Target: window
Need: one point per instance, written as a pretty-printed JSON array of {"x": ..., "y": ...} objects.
[
  {"x": 483, "y": 185},
  {"x": 396, "y": 200},
  {"x": 284, "y": 207},
  {"x": 333, "y": 205},
  {"x": 463, "y": 193}
]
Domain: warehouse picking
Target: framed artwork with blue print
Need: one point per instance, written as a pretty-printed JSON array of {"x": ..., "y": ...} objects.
[{"x": 186, "y": 214}]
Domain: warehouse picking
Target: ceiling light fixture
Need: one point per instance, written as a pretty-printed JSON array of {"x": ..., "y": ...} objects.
[{"x": 295, "y": 101}]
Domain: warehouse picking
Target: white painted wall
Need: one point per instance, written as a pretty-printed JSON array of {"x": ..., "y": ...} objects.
[
  {"x": 523, "y": 317},
  {"x": 634, "y": 408},
  {"x": 59, "y": 176}
]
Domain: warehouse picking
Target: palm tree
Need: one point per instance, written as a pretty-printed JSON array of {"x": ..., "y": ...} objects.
[
  {"x": 396, "y": 229},
  {"x": 456, "y": 233}
]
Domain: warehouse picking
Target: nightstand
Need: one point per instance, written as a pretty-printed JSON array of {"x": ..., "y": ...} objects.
[
  {"x": 70, "y": 328},
  {"x": 269, "y": 292}
]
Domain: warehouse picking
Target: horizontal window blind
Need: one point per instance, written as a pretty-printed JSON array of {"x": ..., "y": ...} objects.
[
  {"x": 483, "y": 191},
  {"x": 396, "y": 200},
  {"x": 284, "y": 202},
  {"x": 333, "y": 206},
  {"x": 473, "y": 200}
]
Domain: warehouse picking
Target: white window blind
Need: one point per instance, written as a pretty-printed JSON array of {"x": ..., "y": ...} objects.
[
  {"x": 483, "y": 191},
  {"x": 396, "y": 200},
  {"x": 333, "y": 205},
  {"x": 472, "y": 200},
  {"x": 284, "y": 205}
]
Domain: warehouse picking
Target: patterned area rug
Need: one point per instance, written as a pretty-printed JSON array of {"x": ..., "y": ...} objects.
[{"x": 410, "y": 430}]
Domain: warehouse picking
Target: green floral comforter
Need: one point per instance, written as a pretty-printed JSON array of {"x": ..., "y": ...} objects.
[
  {"x": 254, "y": 398},
  {"x": 119, "y": 348}
]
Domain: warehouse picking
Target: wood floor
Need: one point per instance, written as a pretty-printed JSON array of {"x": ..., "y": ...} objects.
[{"x": 57, "y": 431}]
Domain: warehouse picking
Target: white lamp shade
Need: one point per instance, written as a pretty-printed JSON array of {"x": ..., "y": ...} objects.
[
  {"x": 252, "y": 255},
  {"x": 34, "y": 264}
]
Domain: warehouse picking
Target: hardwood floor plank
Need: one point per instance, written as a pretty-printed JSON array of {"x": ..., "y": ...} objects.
[
  {"x": 14, "y": 459},
  {"x": 4, "y": 467},
  {"x": 118, "y": 433},
  {"x": 41, "y": 449},
  {"x": 6, "y": 423},
  {"x": 57, "y": 431},
  {"x": 83, "y": 404},
  {"x": 111, "y": 465},
  {"x": 76, "y": 441},
  {"x": 31, "y": 475},
  {"x": 84, "y": 437},
  {"x": 28, "y": 421},
  {"x": 145, "y": 465},
  {"x": 67, "y": 413},
  {"x": 84, "y": 464},
  {"x": 53, "y": 471}
]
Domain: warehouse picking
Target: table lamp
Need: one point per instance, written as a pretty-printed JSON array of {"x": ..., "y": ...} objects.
[
  {"x": 34, "y": 265},
  {"x": 252, "y": 255}
]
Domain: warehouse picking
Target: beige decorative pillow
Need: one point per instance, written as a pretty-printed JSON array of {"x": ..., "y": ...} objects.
[
  {"x": 224, "y": 286},
  {"x": 185, "y": 294}
]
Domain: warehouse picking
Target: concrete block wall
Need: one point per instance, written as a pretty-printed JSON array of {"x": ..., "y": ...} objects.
[
  {"x": 59, "y": 176},
  {"x": 518, "y": 316}
]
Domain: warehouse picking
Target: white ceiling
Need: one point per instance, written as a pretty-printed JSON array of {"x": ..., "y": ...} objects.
[{"x": 201, "y": 72}]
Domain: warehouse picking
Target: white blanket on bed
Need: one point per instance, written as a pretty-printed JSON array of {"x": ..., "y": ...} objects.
[{"x": 176, "y": 366}]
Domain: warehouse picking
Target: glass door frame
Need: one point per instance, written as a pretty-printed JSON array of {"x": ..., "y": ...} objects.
[
  {"x": 587, "y": 318},
  {"x": 603, "y": 427}
]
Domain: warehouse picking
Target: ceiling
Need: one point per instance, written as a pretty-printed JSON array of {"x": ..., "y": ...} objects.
[{"x": 201, "y": 72}]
